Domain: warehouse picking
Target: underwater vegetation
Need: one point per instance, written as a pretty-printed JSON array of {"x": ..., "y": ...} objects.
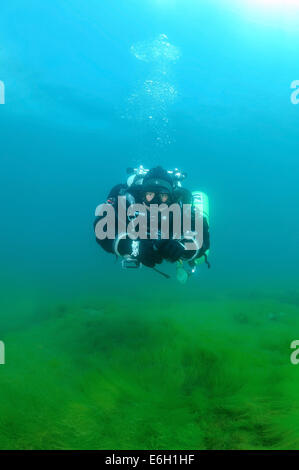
[{"x": 96, "y": 374}]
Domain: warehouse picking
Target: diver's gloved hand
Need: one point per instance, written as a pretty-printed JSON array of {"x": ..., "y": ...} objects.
[
  {"x": 147, "y": 252},
  {"x": 149, "y": 255},
  {"x": 171, "y": 250}
]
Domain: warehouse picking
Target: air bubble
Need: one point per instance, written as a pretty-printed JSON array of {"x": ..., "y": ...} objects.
[
  {"x": 157, "y": 50},
  {"x": 150, "y": 103}
]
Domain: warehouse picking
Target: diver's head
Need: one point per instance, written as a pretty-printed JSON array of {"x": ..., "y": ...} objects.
[
  {"x": 157, "y": 187},
  {"x": 156, "y": 195},
  {"x": 164, "y": 197},
  {"x": 149, "y": 196}
]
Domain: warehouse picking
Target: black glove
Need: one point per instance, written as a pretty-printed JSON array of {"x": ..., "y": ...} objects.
[
  {"x": 171, "y": 250},
  {"x": 148, "y": 254}
]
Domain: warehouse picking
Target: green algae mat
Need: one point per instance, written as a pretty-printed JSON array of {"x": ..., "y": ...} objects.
[{"x": 212, "y": 374}]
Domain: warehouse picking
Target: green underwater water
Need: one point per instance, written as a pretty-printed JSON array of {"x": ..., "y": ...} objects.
[
  {"x": 151, "y": 372},
  {"x": 96, "y": 359}
]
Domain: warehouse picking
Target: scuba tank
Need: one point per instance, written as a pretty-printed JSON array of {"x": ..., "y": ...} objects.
[{"x": 200, "y": 202}]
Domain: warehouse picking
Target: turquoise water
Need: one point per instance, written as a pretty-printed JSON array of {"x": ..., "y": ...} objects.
[{"x": 90, "y": 90}]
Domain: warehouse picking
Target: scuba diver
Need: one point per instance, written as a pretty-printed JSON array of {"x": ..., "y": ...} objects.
[{"x": 144, "y": 190}]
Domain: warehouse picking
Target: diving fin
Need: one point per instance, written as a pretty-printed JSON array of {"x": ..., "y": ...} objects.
[{"x": 181, "y": 274}]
